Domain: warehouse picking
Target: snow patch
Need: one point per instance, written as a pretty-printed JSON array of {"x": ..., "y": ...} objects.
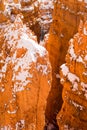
[
  {"x": 20, "y": 124},
  {"x": 77, "y": 105},
  {"x": 84, "y": 88},
  {"x": 42, "y": 68},
  {"x": 85, "y": 31},
  {"x": 64, "y": 69},
  {"x": 71, "y": 51},
  {"x": 18, "y": 36},
  {"x": 72, "y": 78}
]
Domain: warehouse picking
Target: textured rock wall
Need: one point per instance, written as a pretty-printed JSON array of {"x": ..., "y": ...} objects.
[
  {"x": 66, "y": 18},
  {"x": 37, "y": 15},
  {"x": 73, "y": 114},
  {"x": 2, "y": 8},
  {"x": 29, "y": 10},
  {"x": 25, "y": 78},
  {"x": 45, "y": 16}
]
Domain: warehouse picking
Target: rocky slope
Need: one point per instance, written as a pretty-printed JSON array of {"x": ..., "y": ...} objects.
[
  {"x": 66, "y": 18},
  {"x": 25, "y": 78},
  {"x": 73, "y": 114}
]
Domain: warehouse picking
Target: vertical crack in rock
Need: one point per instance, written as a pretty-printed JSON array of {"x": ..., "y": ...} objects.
[{"x": 66, "y": 18}]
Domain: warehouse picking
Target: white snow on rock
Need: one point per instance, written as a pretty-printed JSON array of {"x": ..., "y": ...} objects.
[
  {"x": 45, "y": 15},
  {"x": 84, "y": 88},
  {"x": 18, "y": 38},
  {"x": 85, "y": 1},
  {"x": 20, "y": 124},
  {"x": 72, "y": 78},
  {"x": 8, "y": 127},
  {"x": 64, "y": 69},
  {"x": 85, "y": 58},
  {"x": 71, "y": 50},
  {"x": 77, "y": 105},
  {"x": 80, "y": 59},
  {"x": 85, "y": 31},
  {"x": 12, "y": 112}
]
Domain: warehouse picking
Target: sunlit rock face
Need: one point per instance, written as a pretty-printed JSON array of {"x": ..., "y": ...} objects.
[
  {"x": 25, "y": 78},
  {"x": 3, "y": 17},
  {"x": 66, "y": 18},
  {"x": 73, "y": 75},
  {"x": 37, "y": 15},
  {"x": 29, "y": 9}
]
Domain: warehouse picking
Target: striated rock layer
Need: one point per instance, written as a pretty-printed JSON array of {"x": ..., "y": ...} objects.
[
  {"x": 66, "y": 18},
  {"x": 25, "y": 78},
  {"x": 45, "y": 16},
  {"x": 29, "y": 9},
  {"x": 37, "y": 15},
  {"x": 73, "y": 115}
]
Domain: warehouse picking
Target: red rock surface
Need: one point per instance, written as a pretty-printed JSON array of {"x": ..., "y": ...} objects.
[
  {"x": 66, "y": 18},
  {"x": 3, "y": 18},
  {"x": 37, "y": 15},
  {"x": 73, "y": 114},
  {"x": 25, "y": 78}
]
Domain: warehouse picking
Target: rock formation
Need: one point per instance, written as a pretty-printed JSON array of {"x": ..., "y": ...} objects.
[
  {"x": 3, "y": 17},
  {"x": 73, "y": 115},
  {"x": 25, "y": 78},
  {"x": 66, "y": 18},
  {"x": 37, "y": 15},
  {"x": 30, "y": 11},
  {"x": 45, "y": 16}
]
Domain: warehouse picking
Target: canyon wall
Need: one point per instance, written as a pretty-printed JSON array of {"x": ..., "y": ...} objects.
[
  {"x": 66, "y": 18},
  {"x": 73, "y": 115},
  {"x": 25, "y": 78},
  {"x": 45, "y": 16},
  {"x": 37, "y": 15},
  {"x": 29, "y": 10}
]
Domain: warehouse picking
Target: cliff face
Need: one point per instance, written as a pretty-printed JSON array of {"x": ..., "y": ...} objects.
[
  {"x": 3, "y": 18},
  {"x": 25, "y": 78},
  {"x": 45, "y": 16},
  {"x": 29, "y": 10},
  {"x": 73, "y": 114},
  {"x": 66, "y": 18},
  {"x": 37, "y": 15},
  {"x": 25, "y": 70}
]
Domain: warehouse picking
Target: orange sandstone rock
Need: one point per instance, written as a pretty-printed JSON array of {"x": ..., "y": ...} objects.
[
  {"x": 66, "y": 18},
  {"x": 25, "y": 79},
  {"x": 3, "y": 17},
  {"x": 73, "y": 115}
]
